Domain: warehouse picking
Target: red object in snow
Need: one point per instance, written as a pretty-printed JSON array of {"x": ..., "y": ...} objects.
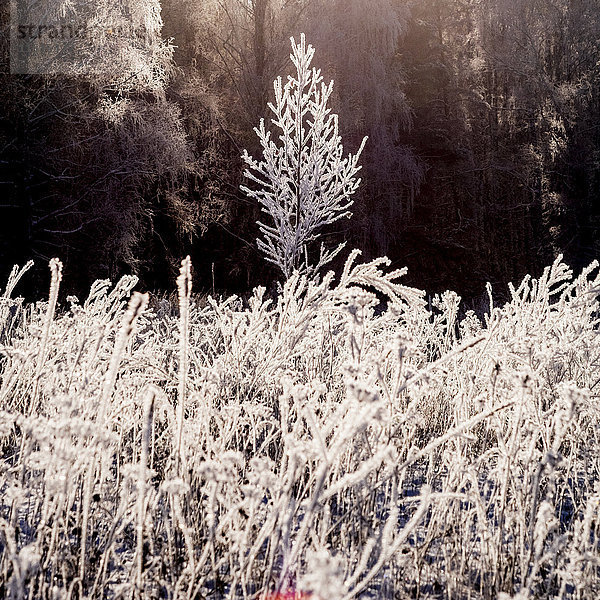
[{"x": 291, "y": 595}]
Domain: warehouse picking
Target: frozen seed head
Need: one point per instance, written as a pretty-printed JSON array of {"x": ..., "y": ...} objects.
[{"x": 184, "y": 281}]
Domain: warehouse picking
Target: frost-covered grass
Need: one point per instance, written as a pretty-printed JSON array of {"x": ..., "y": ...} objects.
[{"x": 308, "y": 443}]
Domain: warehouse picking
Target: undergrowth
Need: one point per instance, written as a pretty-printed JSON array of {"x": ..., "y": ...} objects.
[{"x": 308, "y": 443}]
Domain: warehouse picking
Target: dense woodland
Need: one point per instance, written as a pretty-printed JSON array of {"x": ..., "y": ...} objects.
[{"x": 482, "y": 163}]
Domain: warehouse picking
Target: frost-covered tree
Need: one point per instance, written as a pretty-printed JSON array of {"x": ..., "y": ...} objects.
[
  {"x": 304, "y": 181},
  {"x": 92, "y": 148}
]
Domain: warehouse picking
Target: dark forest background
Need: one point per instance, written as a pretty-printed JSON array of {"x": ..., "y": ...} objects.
[{"x": 483, "y": 159}]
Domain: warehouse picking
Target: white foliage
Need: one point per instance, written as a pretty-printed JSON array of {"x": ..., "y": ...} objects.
[
  {"x": 304, "y": 181},
  {"x": 308, "y": 443}
]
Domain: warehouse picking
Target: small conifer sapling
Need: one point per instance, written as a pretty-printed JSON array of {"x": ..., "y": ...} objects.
[{"x": 303, "y": 182}]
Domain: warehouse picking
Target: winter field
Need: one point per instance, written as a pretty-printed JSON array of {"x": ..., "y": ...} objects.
[{"x": 236, "y": 449}]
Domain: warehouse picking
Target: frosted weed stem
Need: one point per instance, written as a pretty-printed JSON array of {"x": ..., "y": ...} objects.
[
  {"x": 5, "y": 303},
  {"x": 56, "y": 276},
  {"x": 146, "y": 436},
  {"x": 136, "y": 306},
  {"x": 184, "y": 287}
]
